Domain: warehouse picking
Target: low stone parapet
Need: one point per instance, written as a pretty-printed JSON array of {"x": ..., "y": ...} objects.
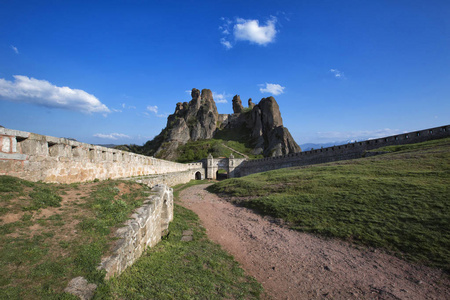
[
  {"x": 171, "y": 179},
  {"x": 145, "y": 228}
]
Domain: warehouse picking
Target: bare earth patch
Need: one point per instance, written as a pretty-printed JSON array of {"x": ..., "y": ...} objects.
[{"x": 295, "y": 265}]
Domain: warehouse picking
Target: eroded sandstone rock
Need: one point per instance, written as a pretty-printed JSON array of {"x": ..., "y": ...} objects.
[
  {"x": 270, "y": 136},
  {"x": 250, "y": 103},
  {"x": 190, "y": 122},
  {"x": 199, "y": 119},
  {"x": 237, "y": 104}
]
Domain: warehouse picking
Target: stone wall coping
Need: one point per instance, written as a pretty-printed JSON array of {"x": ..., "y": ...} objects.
[{"x": 13, "y": 132}]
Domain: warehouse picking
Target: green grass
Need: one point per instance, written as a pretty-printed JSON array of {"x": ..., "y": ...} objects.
[
  {"x": 174, "y": 269},
  {"x": 398, "y": 201},
  {"x": 38, "y": 263},
  {"x": 194, "y": 151},
  {"x": 237, "y": 139}
]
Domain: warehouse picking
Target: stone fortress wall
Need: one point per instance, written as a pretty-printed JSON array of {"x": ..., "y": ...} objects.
[
  {"x": 37, "y": 157},
  {"x": 336, "y": 153}
]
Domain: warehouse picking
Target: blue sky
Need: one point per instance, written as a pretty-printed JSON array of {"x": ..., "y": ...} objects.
[{"x": 111, "y": 71}]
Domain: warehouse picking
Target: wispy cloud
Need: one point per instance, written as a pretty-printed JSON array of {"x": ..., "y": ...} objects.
[
  {"x": 112, "y": 136},
  {"x": 220, "y": 98},
  {"x": 247, "y": 30},
  {"x": 43, "y": 93},
  {"x": 15, "y": 49},
  {"x": 226, "y": 43},
  {"x": 357, "y": 135},
  {"x": 128, "y": 106},
  {"x": 271, "y": 88},
  {"x": 154, "y": 109},
  {"x": 338, "y": 74}
]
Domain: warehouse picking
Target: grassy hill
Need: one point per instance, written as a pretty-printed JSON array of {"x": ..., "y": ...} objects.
[
  {"x": 237, "y": 139},
  {"x": 399, "y": 201},
  {"x": 52, "y": 233}
]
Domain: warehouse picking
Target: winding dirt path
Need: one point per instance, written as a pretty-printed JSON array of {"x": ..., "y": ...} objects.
[{"x": 293, "y": 265}]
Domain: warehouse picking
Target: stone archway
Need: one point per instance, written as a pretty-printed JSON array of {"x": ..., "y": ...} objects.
[
  {"x": 198, "y": 175},
  {"x": 222, "y": 174}
]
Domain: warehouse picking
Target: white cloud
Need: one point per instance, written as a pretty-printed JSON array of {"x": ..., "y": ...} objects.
[
  {"x": 250, "y": 30},
  {"x": 220, "y": 98},
  {"x": 42, "y": 92},
  {"x": 226, "y": 43},
  {"x": 153, "y": 109},
  {"x": 15, "y": 49},
  {"x": 247, "y": 30},
  {"x": 337, "y": 73},
  {"x": 112, "y": 136},
  {"x": 272, "y": 88}
]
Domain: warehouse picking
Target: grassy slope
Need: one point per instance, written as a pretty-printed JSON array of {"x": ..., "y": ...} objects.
[
  {"x": 237, "y": 139},
  {"x": 39, "y": 254},
  {"x": 174, "y": 269},
  {"x": 399, "y": 201}
]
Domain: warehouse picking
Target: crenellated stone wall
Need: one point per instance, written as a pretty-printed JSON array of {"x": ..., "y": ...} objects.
[{"x": 37, "y": 157}]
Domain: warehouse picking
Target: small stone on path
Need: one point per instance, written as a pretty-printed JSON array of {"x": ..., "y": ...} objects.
[
  {"x": 188, "y": 232},
  {"x": 187, "y": 236},
  {"x": 81, "y": 288}
]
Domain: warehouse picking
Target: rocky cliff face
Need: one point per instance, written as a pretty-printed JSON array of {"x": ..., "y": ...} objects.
[
  {"x": 199, "y": 120},
  {"x": 190, "y": 122},
  {"x": 269, "y": 136}
]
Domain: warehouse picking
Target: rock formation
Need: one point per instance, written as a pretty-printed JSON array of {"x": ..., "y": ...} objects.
[
  {"x": 237, "y": 104},
  {"x": 250, "y": 103},
  {"x": 268, "y": 134},
  {"x": 199, "y": 120},
  {"x": 190, "y": 122}
]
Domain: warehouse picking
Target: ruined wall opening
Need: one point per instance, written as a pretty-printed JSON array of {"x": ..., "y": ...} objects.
[{"x": 198, "y": 176}]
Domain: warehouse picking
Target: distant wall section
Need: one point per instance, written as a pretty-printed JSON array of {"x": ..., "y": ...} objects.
[
  {"x": 172, "y": 179},
  {"x": 336, "y": 153},
  {"x": 37, "y": 157}
]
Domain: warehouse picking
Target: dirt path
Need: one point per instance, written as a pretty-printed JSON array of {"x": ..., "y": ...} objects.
[
  {"x": 245, "y": 156},
  {"x": 293, "y": 265}
]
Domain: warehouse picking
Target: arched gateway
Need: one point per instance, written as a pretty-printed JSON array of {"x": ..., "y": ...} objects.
[{"x": 213, "y": 165}]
